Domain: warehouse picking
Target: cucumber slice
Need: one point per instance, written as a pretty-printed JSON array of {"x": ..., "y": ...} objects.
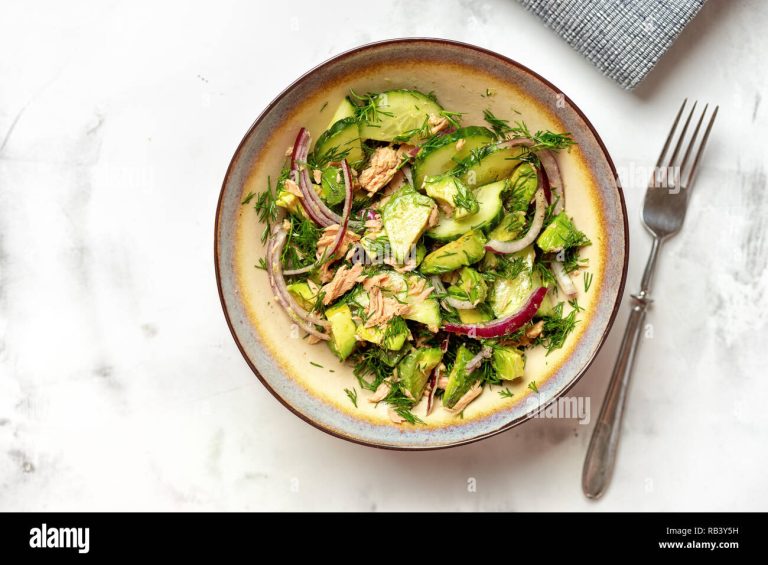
[
  {"x": 508, "y": 295},
  {"x": 398, "y": 114},
  {"x": 342, "y": 138},
  {"x": 443, "y": 155},
  {"x": 344, "y": 110},
  {"x": 488, "y": 214},
  {"x": 489, "y": 163}
]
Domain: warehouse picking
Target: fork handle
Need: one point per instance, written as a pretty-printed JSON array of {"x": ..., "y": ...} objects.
[{"x": 601, "y": 455}]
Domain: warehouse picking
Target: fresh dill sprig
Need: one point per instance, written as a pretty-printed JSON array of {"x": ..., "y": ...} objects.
[
  {"x": 352, "y": 394},
  {"x": 453, "y": 117},
  {"x": 506, "y": 393},
  {"x": 368, "y": 363},
  {"x": 367, "y": 109},
  {"x": 316, "y": 365},
  {"x": 575, "y": 305},
  {"x": 331, "y": 155},
  {"x": 546, "y": 276},
  {"x": 533, "y": 386},
  {"x": 401, "y": 404},
  {"x": 587, "y": 281},
  {"x": 262, "y": 264},
  {"x": 500, "y": 127},
  {"x": 301, "y": 247},
  {"x": 465, "y": 199},
  {"x": 418, "y": 133},
  {"x": 543, "y": 139},
  {"x": 557, "y": 328},
  {"x": 266, "y": 208},
  {"x": 248, "y": 198}
]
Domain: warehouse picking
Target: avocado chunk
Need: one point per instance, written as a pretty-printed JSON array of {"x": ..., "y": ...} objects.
[
  {"x": 453, "y": 194},
  {"x": 303, "y": 295},
  {"x": 490, "y": 211},
  {"x": 561, "y": 234},
  {"x": 459, "y": 381},
  {"x": 510, "y": 227},
  {"x": 462, "y": 252},
  {"x": 521, "y": 186},
  {"x": 391, "y": 336},
  {"x": 482, "y": 313},
  {"x": 508, "y": 362},
  {"x": 414, "y": 370},
  {"x": 470, "y": 286},
  {"x": 405, "y": 218},
  {"x": 342, "y": 341}
]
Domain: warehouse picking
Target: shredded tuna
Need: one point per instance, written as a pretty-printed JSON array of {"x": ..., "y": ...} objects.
[
  {"x": 289, "y": 151},
  {"x": 394, "y": 416},
  {"x": 312, "y": 340},
  {"x": 329, "y": 236},
  {"x": 381, "y": 168},
  {"x": 468, "y": 397},
  {"x": 419, "y": 290},
  {"x": 374, "y": 225},
  {"x": 343, "y": 281},
  {"x": 437, "y": 123},
  {"x": 434, "y": 217},
  {"x": 381, "y": 392},
  {"x": 317, "y": 174},
  {"x": 460, "y": 144},
  {"x": 535, "y": 330},
  {"x": 382, "y": 308},
  {"x": 375, "y": 281},
  {"x": 292, "y": 188}
]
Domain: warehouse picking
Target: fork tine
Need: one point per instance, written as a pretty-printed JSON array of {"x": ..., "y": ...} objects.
[
  {"x": 657, "y": 178},
  {"x": 682, "y": 136},
  {"x": 694, "y": 167},
  {"x": 692, "y": 142},
  {"x": 671, "y": 134}
]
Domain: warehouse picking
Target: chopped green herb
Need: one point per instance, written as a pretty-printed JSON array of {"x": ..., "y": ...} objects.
[
  {"x": 248, "y": 198},
  {"x": 316, "y": 364},
  {"x": 506, "y": 393},
  {"x": 500, "y": 127},
  {"x": 587, "y": 281},
  {"x": 352, "y": 394},
  {"x": 533, "y": 386}
]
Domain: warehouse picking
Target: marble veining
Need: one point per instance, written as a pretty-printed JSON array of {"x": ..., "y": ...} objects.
[{"x": 120, "y": 386}]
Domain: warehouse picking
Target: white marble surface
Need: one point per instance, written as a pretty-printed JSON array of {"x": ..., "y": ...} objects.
[{"x": 120, "y": 386}]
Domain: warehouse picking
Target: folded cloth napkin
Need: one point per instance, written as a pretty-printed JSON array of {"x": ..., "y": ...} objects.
[{"x": 623, "y": 38}]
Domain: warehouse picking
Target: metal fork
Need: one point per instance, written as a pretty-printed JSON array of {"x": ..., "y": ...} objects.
[{"x": 663, "y": 214}]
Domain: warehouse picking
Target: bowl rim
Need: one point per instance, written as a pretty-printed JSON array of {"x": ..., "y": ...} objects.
[{"x": 483, "y": 51}]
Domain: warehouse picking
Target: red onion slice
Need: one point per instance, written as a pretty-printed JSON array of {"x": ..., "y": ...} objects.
[
  {"x": 503, "y": 326},
  {"x": 300, "y": 316},
  {"x": 505, "y": 247},
  {"x": 342, "y": 228},
  {"x": 564, "y": 279}
]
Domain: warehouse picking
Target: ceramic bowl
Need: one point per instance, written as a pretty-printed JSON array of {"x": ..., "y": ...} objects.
[{"x": 307, "y": 378}]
